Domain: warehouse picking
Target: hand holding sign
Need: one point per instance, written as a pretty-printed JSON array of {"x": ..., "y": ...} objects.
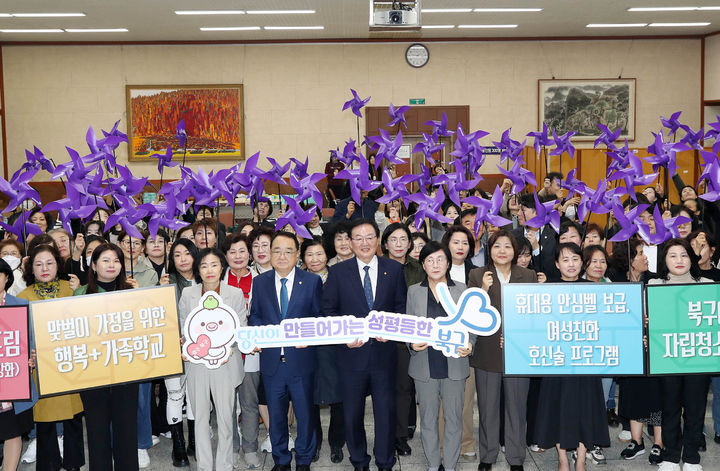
[
  {"x": 473, "y": 311},
  {"x": 210, "y": 331}
]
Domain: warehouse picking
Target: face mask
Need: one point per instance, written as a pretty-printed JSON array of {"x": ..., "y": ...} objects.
[
  {"x": 570, "y": 212},
  {"x": 87, "y": 260},
  {"x": 12, "y": 260}
]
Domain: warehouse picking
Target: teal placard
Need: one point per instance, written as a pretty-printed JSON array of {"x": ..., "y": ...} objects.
[{"x": 683, "y": 328}]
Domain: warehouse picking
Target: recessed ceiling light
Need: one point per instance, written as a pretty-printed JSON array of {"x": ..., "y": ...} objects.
[
  {"x": 616, "y": 25},
  {"x": 662, "y": 8},
  {"x": 280, "y": 12},
  {"x": 292, "y": 27},
  {"x": 446, "y": 10},
  {"x": 5, "y": 15},
  {"x": 31, "y": 31},
  {"x": 96, "y": 30},
  {"x": 209, "y": 12},
  {"x": 708, "y": 8},
  {"x": 438, "y": 26},
  {"x": 679, "y": 24},
  {"x": 486, "y": 26},
  {"x": 505, "y": 10},
  {"x": 232, "y": 28},
  {"x": 46, "y": 15}
]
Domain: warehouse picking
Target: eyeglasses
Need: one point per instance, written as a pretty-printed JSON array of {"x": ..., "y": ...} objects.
[
  {"x": 261, "y": 246},
  {"x": 135, "y": 243},
  {"x": 368, "y": 238},
  {"x": 436, "y": 261}
]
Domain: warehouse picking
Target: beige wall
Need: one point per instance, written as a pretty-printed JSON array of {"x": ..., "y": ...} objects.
[
  {"x": 293, "y": 93},
  {"x": 712, "y": 68}
]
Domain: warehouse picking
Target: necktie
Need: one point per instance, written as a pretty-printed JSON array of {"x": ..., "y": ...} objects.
[
  {"x": 367, "y": 286},
  {"x": 283, "y": 298}
]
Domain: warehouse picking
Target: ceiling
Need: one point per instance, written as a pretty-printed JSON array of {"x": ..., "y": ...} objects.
[{"x": 155, "y": 20}]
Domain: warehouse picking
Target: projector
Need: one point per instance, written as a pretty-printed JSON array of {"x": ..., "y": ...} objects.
[
  {"x": 395, "y": 18},
  {"x": 387, "y": 15}
]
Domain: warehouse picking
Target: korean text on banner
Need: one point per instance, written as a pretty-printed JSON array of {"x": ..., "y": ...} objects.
[
  {"x": 684, "y": 328},
  {"x": 102, "y": 339},
  {"x": 14, "y": 354},
  {"x": 573, "y": 329}
]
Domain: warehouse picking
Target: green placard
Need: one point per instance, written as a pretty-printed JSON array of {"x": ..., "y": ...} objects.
[
  {"x": 417, "y": 101},
  {"x": 683, "y": 328}
]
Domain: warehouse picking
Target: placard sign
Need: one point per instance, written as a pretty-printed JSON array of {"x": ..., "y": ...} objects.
[
  {"x": 471, "y": 314},
  {"x": 102, "y": 339},
  {"x": 210, "y": 332},
  {"x": 14, "y": 354},
  {"x": 684, "y": 328},
  {"x": 573, "y": 329}
]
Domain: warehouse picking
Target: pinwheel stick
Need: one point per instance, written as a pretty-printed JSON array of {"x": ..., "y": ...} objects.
[
  {"x": 132, "y": 268},
  {"x": 587, "y": 221},
  {"x": 217, "y": 225},
  {"x": 187, "y": 138},
  {"x": 24, "y": 231}
]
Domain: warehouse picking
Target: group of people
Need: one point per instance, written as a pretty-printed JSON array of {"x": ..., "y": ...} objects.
[{"x": 369, "y": 257}]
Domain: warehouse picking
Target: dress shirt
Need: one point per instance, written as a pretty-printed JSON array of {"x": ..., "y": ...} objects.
[
  {"x": 288, "y": 285},
  {"x": 538, "y": 234},
  {"x": 373, "y": 273}
]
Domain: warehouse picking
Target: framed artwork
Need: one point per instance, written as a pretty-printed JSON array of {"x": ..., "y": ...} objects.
[
  {"x": 580, "y": 105},
  {"x": 213, "y": 117}
]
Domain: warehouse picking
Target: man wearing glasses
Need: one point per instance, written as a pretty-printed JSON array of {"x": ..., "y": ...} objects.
[
  {"x": 287, "y": 373},
  {"x": 355, "y": 287}
]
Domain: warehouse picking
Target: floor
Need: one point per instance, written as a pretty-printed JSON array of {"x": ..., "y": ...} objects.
[{"x": 545, "y": 461}]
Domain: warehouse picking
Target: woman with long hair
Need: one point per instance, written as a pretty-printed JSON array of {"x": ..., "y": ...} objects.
[
  {"x": 110, "y": 411},
  {"x": 42, "y": 275}
]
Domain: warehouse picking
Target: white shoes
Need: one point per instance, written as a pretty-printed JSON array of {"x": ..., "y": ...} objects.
[
  {"x": 60, "y": 445},
  {"x": 692, "y": 467},
  {"x": 625, "y": 436},
  {"x": 291, "y": 443},
  {"x": 155, "y": 440},
  {"x": 266, "y": 445},
  {"x": 30, "y": 455},
  {"x": 668, "y": 466},
  {"x": 143, "y": 458},
  {"x": 251, "y": 460}
]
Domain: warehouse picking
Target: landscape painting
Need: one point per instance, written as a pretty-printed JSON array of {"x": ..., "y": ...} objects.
[
  {"x": 213, "y": 117},
  {"x": 580, "y": 105}
]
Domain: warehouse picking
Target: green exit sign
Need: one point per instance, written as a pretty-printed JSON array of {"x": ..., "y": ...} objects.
[{"x": 417, "y": 101}]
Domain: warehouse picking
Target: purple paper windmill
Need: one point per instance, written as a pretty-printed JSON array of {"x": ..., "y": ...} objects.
[
  {"x": 563, "y": 144},
  {"x": 710, "y": 174},
  {"x": 21, "y": 227},
  {"x": 664, "y": 154},
  {"x": 627, "y": 222},
  {"x": 510, "y": 149},
  {"x": 542, "y": 139},
  {"x": 355, "y": 103},
  {"x": 545, "y": 214},
  {"x": 386, "y": 147},
  {"x": 488, "y": 210},
  {"x": 127, "y": 215},
  {"x": 35, "y": 160},
  {"x": 456, "y": 181},
  {"x": 359, "y": 180},
  {"x": 607, "y": 137},
  {"x": 633, "y": 175},
  {"x": 573, "y": 185},
  {"x": 397, "y": 115},
  {"x": 181, "y": 133},
  {"x": 428, "y": 207},
  {"x": 428, "y": 147},
  {"x": 439, "y": 127},
  {"x": 396, "y": 187},
  {"x": 296, "y": 217},
  {"x": 165, "y": 160},
  {"x": 18, "y": 190},
  {"x": 672, "y": 124},
  {"x": 519, "y": 176}
]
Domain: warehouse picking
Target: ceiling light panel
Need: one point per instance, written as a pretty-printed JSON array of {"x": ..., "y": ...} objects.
[
  {"x": 486, "y": 26},
  {"x": 278, "y": 28},
  {"x": 438, "y": 26},
  {"x": 616, "y": 25},
  {"x": 46, "y": 15},
  {"x": 678, "y": 24},
  {"x": 446, "y": 10},
  {"x": 96, "y": 30},
  {"x": 280, "y": 12},
  {"x": 47, "y": 30},
  {"x": 506, "y": 10},
  {"x": 209, "y": 12},
  {"x": 232, "y": 28}
]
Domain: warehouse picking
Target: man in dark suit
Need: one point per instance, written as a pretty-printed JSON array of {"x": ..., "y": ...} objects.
[
  {"x": 543, "y": 240},
  {"x": 287, "y": 373},
  {"x": 347, "y": 209},
  {"x": 355, "y": 287}
]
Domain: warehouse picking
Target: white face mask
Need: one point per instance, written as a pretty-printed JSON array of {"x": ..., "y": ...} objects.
[
  {"x": 570, "y": 212},
  {"x": 87, "y": 260},
  {"x": 12, "y": 260}
]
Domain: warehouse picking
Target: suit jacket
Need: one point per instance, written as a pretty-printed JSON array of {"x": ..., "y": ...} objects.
[
  {"x": 419, "y": 370},
  {"x": 369, "y": 207},
  {"x": 487, "y": 353},
  {"x": 231, "y": 373},
  {"x": 304, "y": 301},
  {"x": 545, "y": 262},
  {"x": 343, "y": 294}
]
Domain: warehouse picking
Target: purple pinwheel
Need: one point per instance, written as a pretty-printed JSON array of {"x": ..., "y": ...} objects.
[
  {"x": 163, "y": 214},
  {"x": 35, "y": 159},
  {"x": 693, "y": 139},
  {"x": 466, "y": 144},
  {"x": 509, "y": 148},
  {"x": 633, "y": 175},
  {"x": 439, "y": 127},
  {"x": 428, "y": 207},
  {"x": 127, "y": 215},
  {"x": 296, "y": 217},
  {"x": 488, "y": 210},
  {"x": 620, "y": 158},
  {"x": 672, "y": 124},
  {"x": 164, "y": 160},
  {"x": 251, "y": 180},
  {"x": 664, "y": 228},
  {"x": 205, "y": 188},
  {"x": 115, "y": 134},
  {"x": 396, "y": 188},
  {"x": 714, "y": 130},
  {"x": 563, "y": 144},
  {"x": 573, "y": 185},
  {"x": 18, "y": 190},
  {"x": 300, "y": 169},
  {"x": 627, "y": 222},
  {"x": 593, "y": 201},
  {"x": 359, "y": 180},
  {"x": 386, "y": 148},
  {"x": 355, "y": 104},
  {"x": 428, "y": 147},
  {"x": 74, "y": 170},
  {"x": 456, "y": 182},
  {"x": 277, "y": 172},
  {"x": 607, "y": 137},
  {"x": 181, "y": 133},
  {"x": 397, "y": 115},
  {"x": 424, "y": 179},
  {"x": 664, "y": 154},
  {"x": 350, "y": 153},
  {"x": 545, "y": 214},
  {"x": 542, "y": 138},
  {"x": 21, "y": 227},
  {"x": 306, "y": 187},
  {"x": 126, "y": 184},
  {"x": 519, "y": 176},
  {"x": 711, "y": 174},
  {"x": 79, "y": 204},
  {"x": 103, "y": 150}
]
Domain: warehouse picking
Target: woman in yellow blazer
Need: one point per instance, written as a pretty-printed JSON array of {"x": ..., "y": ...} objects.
[{"x": 41, "y": 276}]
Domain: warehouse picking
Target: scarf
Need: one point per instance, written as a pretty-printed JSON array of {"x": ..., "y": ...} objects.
[{"x": 47, "y": 290}]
